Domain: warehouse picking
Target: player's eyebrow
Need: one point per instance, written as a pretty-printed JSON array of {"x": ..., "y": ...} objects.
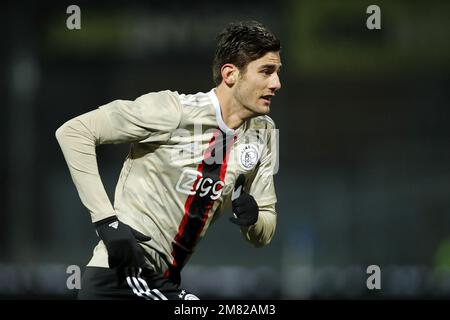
[{"x": 270, "y": 67}]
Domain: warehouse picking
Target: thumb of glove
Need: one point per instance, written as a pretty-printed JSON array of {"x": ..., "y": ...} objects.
[{"x": 238, "y": 187}]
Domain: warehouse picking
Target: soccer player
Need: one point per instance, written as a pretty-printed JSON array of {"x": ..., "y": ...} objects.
[{"x": 191, "y": 156}]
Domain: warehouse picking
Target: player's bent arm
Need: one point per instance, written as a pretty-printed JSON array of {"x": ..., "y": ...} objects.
[
  {"x": 78, "y": 139},
  {"x": 116, "y": 122},
  {"x": 261, "y": 233}
]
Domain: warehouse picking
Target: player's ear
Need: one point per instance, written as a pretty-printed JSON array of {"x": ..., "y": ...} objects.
[{"x": 229, "y": 74}]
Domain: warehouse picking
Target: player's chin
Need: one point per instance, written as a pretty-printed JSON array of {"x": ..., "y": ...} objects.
[
  {"x": 264, "y": 109},
  {"x": 260, "y": 109}
]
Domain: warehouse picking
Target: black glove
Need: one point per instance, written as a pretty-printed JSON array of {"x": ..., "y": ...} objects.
[
  {"x": 244, "y": 205},
  {"x": 120, "y": 241}
]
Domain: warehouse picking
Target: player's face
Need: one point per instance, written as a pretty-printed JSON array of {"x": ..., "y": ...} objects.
[{"x": 256, "y": 87}]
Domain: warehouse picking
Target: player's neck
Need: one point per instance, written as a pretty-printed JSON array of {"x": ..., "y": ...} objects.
[{"x": 233, "y": 113}]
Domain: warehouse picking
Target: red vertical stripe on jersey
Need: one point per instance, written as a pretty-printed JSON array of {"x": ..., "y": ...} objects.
[
  {"x": 223, "y": 171},
  {"x": 195, "y": 206},
  {"x": 187, "y": 205},
  {"x": 189, "y": 200}
]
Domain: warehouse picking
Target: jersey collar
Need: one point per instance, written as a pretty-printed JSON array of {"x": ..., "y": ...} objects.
[{"x": 212, "y": 95}]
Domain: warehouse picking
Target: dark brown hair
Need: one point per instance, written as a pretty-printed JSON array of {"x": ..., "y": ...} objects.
[{"x": 240, "y": 43}]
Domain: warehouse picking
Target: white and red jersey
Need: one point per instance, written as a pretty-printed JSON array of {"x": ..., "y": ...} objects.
[{"x": 179, "y": 174}]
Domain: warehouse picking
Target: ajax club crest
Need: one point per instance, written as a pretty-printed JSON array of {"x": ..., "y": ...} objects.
[{"x": 248, "y": 156}]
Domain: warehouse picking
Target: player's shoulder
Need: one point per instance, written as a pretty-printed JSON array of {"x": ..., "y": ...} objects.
[
  {"x": 163, "y": 96},
  {"x": 196, "y": 100},
  {"x": 262, "y": 122}
]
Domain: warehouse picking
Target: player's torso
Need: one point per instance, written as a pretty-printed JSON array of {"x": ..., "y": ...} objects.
[{"x": 179, "y": 180}]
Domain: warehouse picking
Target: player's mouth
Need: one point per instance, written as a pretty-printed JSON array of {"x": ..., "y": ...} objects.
[{"x": 267, "y": 99}]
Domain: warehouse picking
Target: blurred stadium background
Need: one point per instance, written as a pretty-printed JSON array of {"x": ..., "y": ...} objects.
[{"x": 363, "y": 115}]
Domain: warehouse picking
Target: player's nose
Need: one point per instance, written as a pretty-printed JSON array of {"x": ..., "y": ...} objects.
[{"x": 275, "y": 83}]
